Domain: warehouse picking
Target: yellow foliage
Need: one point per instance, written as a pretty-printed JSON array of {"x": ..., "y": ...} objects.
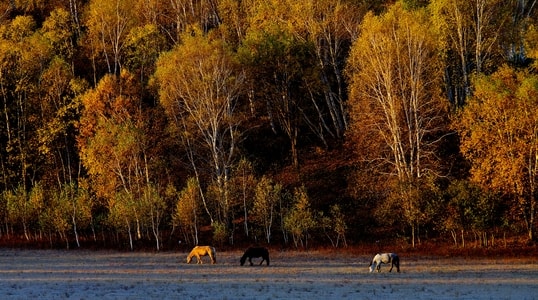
[
  {"x": 499, "y": 130},
  {"x": 499, "y": 136}
]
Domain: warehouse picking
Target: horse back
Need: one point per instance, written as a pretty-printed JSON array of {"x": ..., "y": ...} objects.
[
  {"x": 253, "y": 252},
  {"x": 257, "y": 252},
  {"x": 203, "y": 250}
]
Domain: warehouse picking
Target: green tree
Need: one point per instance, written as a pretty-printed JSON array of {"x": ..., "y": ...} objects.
[
  {"x": 36, "y": 202},
  {"x": 300, "y": 218},
  {"x": 470, "y": 208},
  {"x": 58, "y": 212},
  {"x": 122, "y": 213},
  {"x": 81, "y": 205},
  {"x": 154, "y": 208},
  {"x": 334, "y": 224},
  {"x": 243, "y": 185},
  {"x": 143, "y": 46},
  {"x": 187, "y": 211},
  {"x": 266, "y": 198},
  {"x": 69, "y": 209},
  {"x": 22, "y": 208}
]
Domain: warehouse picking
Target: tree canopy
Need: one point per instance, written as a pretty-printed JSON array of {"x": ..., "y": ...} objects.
[{"x": 133, "y": 124}]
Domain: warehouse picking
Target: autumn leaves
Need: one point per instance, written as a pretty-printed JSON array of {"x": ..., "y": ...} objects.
[{"x": 145, "y": 113}]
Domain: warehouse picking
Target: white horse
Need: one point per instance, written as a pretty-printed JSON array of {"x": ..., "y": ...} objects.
[
  {"x": 202, "y": 251},
  {"x": 385, "y": 258}
]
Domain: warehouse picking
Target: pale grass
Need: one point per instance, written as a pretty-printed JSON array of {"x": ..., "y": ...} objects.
[{"x": 312, "y": 275}]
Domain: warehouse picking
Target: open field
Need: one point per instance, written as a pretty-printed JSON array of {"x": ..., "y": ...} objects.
[{"x": 48, "y": 274}]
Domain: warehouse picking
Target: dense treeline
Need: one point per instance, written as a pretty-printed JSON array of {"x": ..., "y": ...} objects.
[{"x": 278, "y": 122}]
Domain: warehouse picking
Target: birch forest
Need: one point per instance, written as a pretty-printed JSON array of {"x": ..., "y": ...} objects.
[{"x": 137, "y": 124}]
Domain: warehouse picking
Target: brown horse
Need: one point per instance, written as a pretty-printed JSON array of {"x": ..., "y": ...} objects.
[
  {"x": 254, "y": 252},
  {"x": 203, "y": 251}
]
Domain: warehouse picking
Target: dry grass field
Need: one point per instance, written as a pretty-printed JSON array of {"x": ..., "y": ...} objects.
[{"x": 52, "y": 274}]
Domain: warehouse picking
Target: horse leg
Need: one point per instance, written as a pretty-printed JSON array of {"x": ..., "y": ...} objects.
[
  {"x": 391, "y": 266},
  {"x": 250, "y": 260},
  {"x": 199, "y": 259}
]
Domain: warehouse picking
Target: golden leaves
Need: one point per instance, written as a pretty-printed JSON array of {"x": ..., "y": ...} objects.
[{"x": 499, "y": 130}]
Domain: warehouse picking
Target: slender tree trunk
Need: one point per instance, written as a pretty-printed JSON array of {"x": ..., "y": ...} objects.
[
  {"x": 155, "y": 229},
  {"x": 75, "y": 230},
  {"x": 245, "y": 211},
  {"x": 413, "y": 235},
  {"x": 130, "y": 234}
]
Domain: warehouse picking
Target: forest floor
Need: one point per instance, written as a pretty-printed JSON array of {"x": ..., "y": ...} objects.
[{"x": 83, "y": 274}]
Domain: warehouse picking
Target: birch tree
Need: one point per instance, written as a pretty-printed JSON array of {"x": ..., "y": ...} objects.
[
  {"x": 114, "y": 145},
  {"x": 199, "y": 85},
  {"x": 331, "y": 27},
  {"x": 300, "y": 219},
  {"x": 108, "y": 23},
  {"x": 278, "y": 65},
  {"x": 154, "y": 209},
  {"x": 470, "y": 34},
  {"x": 397, "y": 113},
  {"x": 499, "y": 136},
  {"x": 188, "y": 210},
  {"x": 24, "y": 55},
  {"x": 266, "y": 198}
]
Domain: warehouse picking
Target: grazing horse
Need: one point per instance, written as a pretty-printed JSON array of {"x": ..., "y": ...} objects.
[
  {"x": 385, "y": 258},
  {"x": 202, "y": 251},
  {"x": 254, "y": 252}
]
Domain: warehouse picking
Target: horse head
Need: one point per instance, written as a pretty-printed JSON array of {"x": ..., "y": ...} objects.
[
  {"x": 375, "y": 262},
  {"x": 372, "y": 266}
]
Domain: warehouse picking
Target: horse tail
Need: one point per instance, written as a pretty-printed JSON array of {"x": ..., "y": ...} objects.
[
  {"x": 397, "y": 262},
  {"x": 266, "y": 252},
  {"x": 213, "y": 255}
]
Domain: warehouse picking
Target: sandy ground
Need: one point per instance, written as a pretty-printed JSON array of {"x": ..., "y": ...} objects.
[{"x": 43, "y": 274}]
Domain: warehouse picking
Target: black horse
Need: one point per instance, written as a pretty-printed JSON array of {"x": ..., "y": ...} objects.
[{"x": 254, "y": 252}]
